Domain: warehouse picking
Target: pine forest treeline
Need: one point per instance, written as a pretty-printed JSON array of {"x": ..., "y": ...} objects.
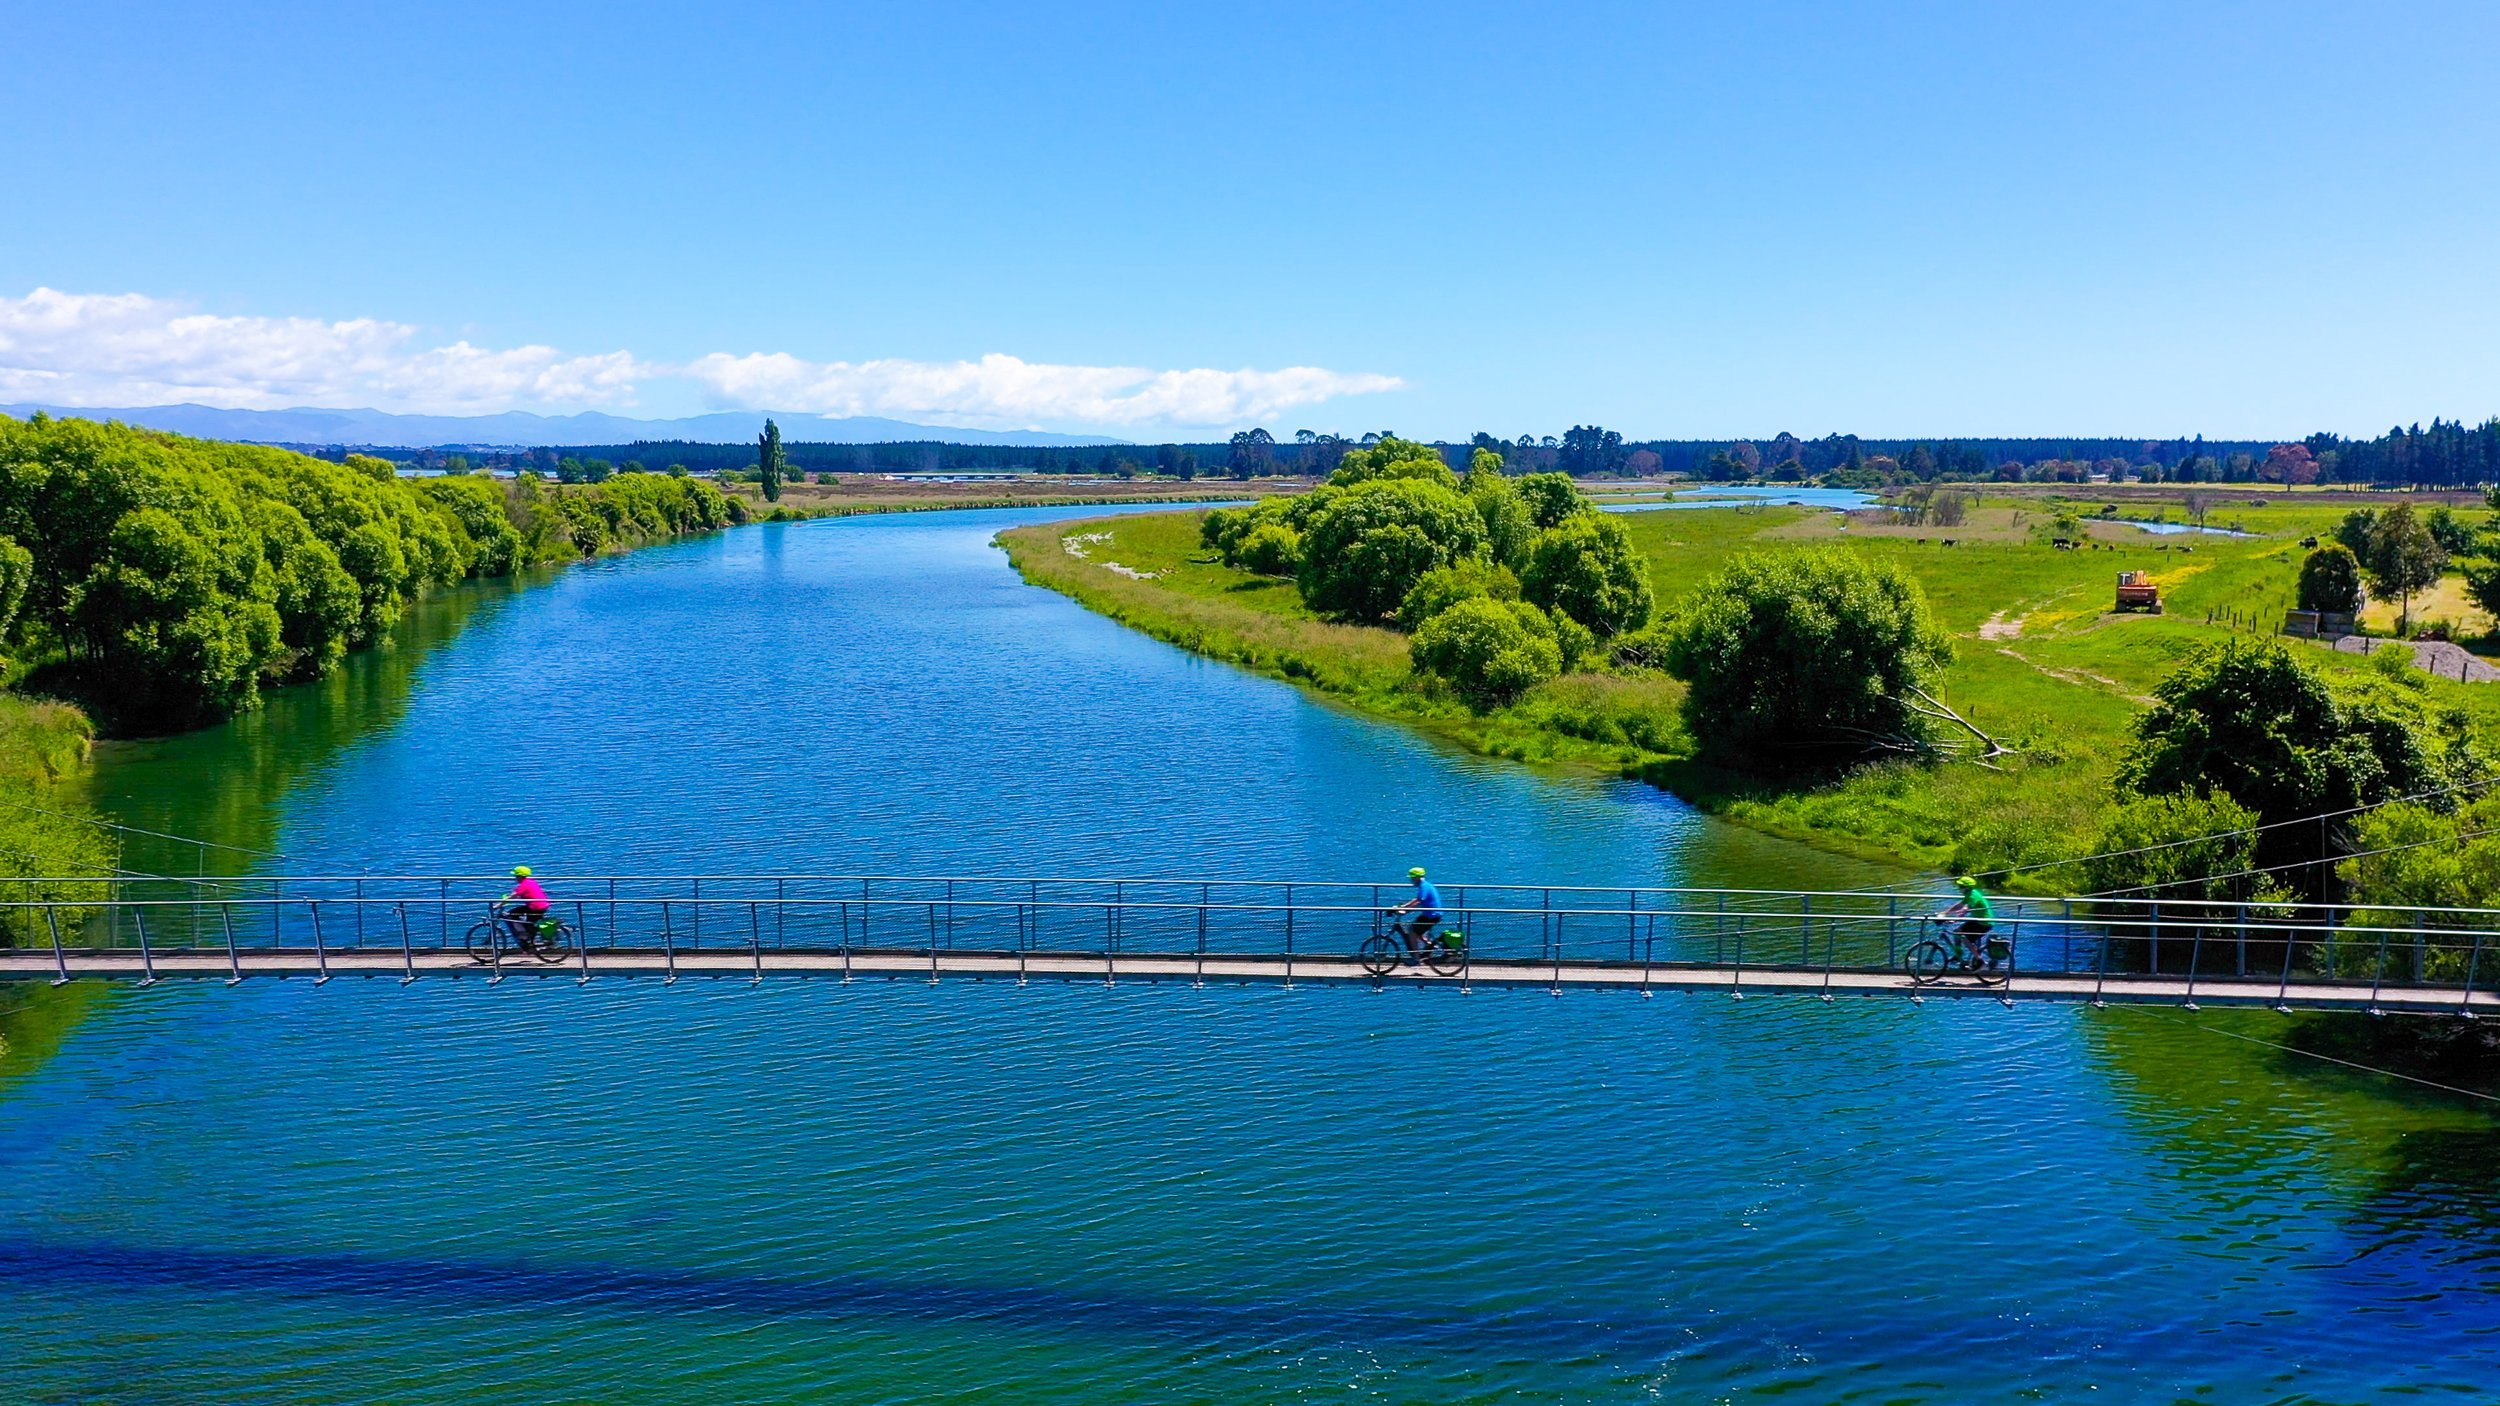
[
  {"x": 2446, "y": 454},
  {"x": 161, "y": 581}
]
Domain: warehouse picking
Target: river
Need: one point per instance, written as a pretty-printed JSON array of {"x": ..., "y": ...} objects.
[{"x": 809, "y": 1191}]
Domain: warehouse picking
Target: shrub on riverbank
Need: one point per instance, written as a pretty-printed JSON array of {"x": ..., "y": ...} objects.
[
  {"x": 44, "y": 834},
  {"x": 1491, "y": 651},
  {"x": 1801, "y": 658}
]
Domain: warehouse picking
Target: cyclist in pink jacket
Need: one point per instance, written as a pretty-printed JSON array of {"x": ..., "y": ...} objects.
[{"x": 525, "y": 907}]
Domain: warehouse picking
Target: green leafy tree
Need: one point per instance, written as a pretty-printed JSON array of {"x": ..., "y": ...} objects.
[
  {"x": 2453, "y": 534},
  {"x": 1551, "y": 498},
  {"x": 2358, "y": 532},
  {"x": 2248, "y": 720},
  {"x": 1366, "y": 547},
  {"x": 1445, "y": 586},
  {"x": 1509, "y": 524},
  {"x": 1253, "y": 452},
  {"x": 2404, "y": 559},
  {"x": 1798, "y": 656},
  {"x": 1489, "y": 651},
  {"x": 771, "y": 464},
  {"x": 2330, "y": 580},
  {"x": 1271, "y": 549},
  {"x": 17, "y": 572},
  {"x": 1390, "y": 457},
  {"x": 1587, "y": 568}
]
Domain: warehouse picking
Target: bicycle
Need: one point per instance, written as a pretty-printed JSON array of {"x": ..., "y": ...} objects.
[
  {"x": 1443, "y": 951},
  {"x": 550, "y": 939},
  {"x": 1940, "y": 952}
]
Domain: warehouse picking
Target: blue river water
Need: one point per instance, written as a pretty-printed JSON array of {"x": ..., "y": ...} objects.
[{"x": 811, "y": 1191}]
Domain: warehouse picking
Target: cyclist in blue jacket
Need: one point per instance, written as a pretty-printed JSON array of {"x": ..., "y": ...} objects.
[{"x": 1423, "y": 914}]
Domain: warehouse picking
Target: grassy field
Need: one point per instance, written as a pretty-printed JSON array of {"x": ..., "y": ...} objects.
[{"x": 2040, "y": 660}]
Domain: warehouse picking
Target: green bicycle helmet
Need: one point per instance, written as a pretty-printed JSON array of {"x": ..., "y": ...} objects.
[
  {"x": 1965, "y": 881},
  {"x": 520, "y": 871},
  {"x": 1415, "y": 873}
]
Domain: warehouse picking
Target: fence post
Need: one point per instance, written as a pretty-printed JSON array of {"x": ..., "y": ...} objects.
[
  {"x": 668, "y": 940},
  {"x": 407, "y": 947},
  {"x": 1201, "y": 979},
  {"x": 2473, "y": 960},
  {"x": 1892, "y": 930},
  {"x": 581, "y": 940},
  {"x": 2283, "y": 988},
  {"x": 755, "y": 941}
]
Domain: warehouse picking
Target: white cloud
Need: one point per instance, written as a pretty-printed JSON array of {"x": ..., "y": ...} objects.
[
  {"x": 1006, "y": 391},
  {"x": 130, "y": 349}
]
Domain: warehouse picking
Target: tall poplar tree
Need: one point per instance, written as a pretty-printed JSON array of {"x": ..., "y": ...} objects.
[{"x": 770, "y": 463}]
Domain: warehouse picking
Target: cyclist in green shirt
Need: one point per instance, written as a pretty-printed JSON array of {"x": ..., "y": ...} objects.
[{"x": 1979, "y": 919}]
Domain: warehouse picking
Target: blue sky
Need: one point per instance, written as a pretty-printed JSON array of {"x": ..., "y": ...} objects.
[{"x": 1891, "y": 219}]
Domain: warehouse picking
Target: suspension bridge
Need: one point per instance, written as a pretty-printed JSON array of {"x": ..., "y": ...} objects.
[{"x": 1734, "y": 942}]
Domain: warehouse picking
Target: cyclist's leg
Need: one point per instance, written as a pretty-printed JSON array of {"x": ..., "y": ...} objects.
[{"x": 1419, "y": 933}]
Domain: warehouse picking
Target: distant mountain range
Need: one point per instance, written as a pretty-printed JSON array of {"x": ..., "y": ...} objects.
[{"x": 384, "y": 430}]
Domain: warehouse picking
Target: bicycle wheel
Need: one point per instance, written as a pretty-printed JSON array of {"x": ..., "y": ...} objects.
[
  {"x": 1930, "y": 961},
  {"x": 1447, "y": 955},
  {"x": 484, "y": 942},
  {"x": 1381, "y": 954},
  {"x": 553, "y": 947}
]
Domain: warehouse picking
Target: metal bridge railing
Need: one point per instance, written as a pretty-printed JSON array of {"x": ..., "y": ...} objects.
[{"x": 1558, "y": 927}]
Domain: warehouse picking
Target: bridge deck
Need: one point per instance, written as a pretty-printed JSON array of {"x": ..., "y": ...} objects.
[{"x": 889, "y": 964}]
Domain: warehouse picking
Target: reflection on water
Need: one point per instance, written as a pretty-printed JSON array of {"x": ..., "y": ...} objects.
[{"x": 807, "y": 1190}]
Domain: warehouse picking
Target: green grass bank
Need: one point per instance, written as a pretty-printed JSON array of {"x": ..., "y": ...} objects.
[{"x": 2041, "y": 662}]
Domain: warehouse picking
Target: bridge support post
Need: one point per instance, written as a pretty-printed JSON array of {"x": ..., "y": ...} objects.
[
  {"x": 2196, "y": 958},
  {"x": 60, "y": 959},
  {"x": 2473, "y": 960},
  {"x": 755, "y": 941},
  {"x": 407, "y": 947},
  {"x": 1289, "y": 937},
  {"x": 321, "y": 949},
  {"x": 668, "y": 942},
  {"x": 1556, "y": 941},
  {"x": 1831, "y": 940},
  {"x": 581, "y": 938},
  {"x": 2101, "y": 980},
  {"x": 2283, "y": 985},
  {"x": 2378, "y": 974},
  {"x": 147, "y": 959},
  {"x": 234, "y": 961},
  {"x": 1200, "y": 981}
]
